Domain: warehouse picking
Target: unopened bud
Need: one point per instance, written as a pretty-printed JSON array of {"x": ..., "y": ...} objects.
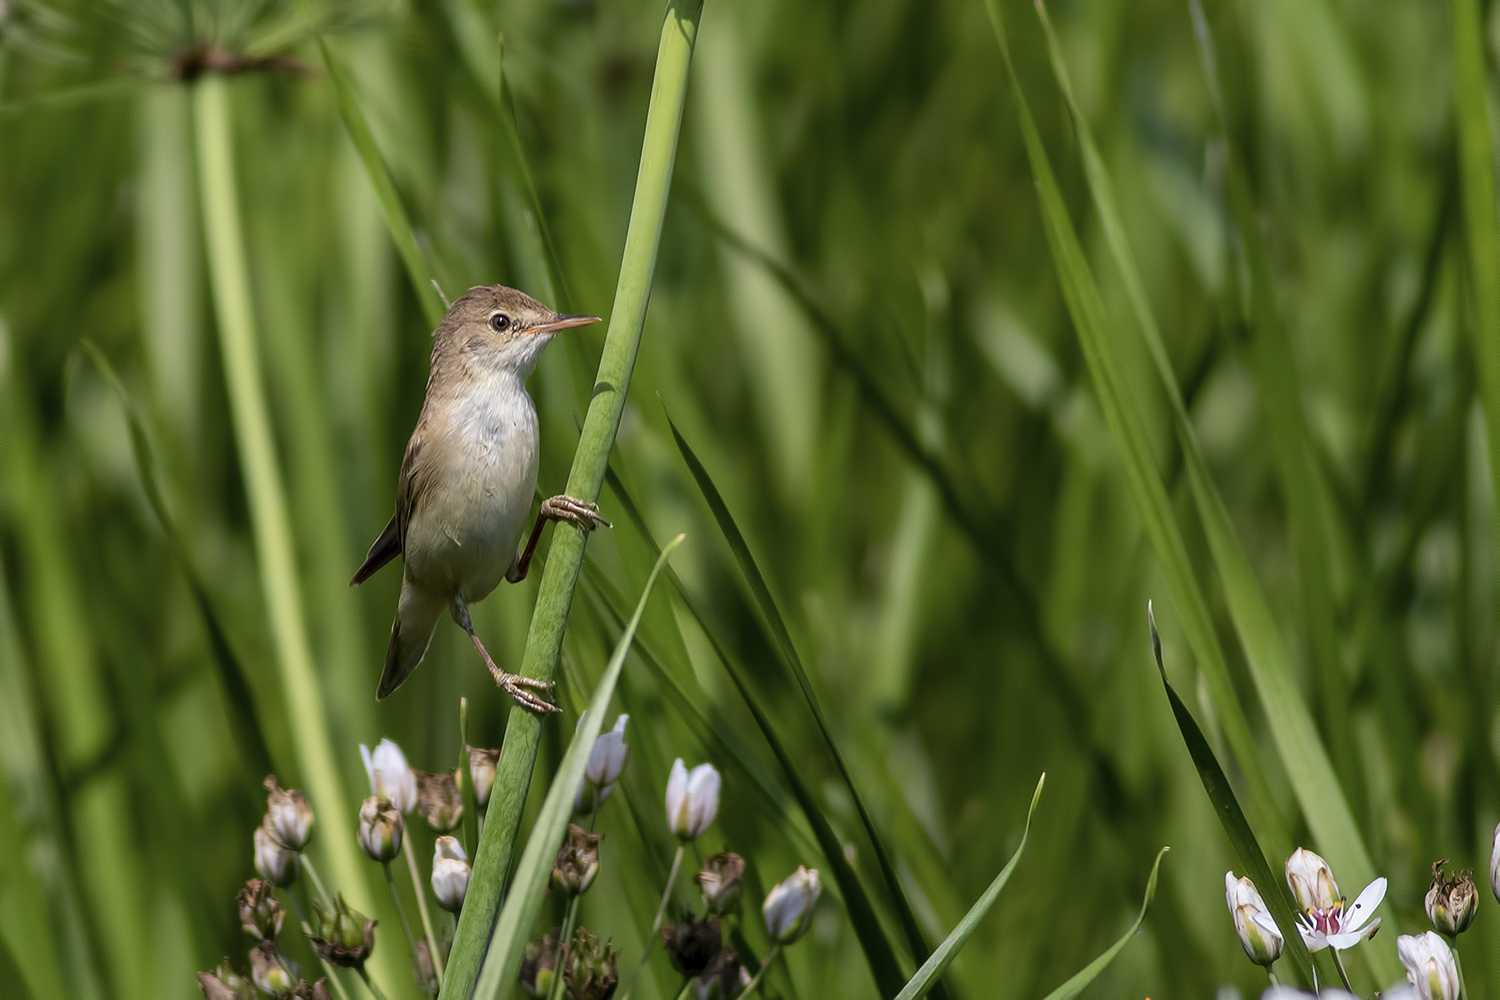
[
  {"x": 539, "y": 965},
  {"x": 225, "y": 984},
  {"x": 273, "y": 972},
  {"x": 692, "y": 799},
  {"x": 606, "y": 762},
  {"x": 390, "y": 776},
  {"x": 450, "y": 874},
  {"x": 692, "y": 944},
  {"x": 789, "y": 905},
  {"x": 1451, "y": 902},
  {"x": 1253, "y": 923},
  {"x": 273, "y": 862},
  {"x": 289, "y": 816},
  {"x": 380, "y": 829},
  {"x": 439, "y": 800},
  {"x": 591, "y": 972},
  {"x": 341, "y": 936},
  {"x": 482, "y": 765},
  {"x": 260, "y": 912},
  {"x": 720, "y": 882},
  {"x": 577, "y": 861}
]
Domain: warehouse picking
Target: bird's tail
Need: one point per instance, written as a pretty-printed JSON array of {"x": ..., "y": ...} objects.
[{"x": 417, "y": 615}]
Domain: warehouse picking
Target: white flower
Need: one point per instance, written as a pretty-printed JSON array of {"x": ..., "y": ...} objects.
[
  {"x": 606, "y": 762},
  {"x": 273, "y": 862},
  {"x": 692, "y": 799},
  {"x": 789, "y": 905},
  {"x": 1257, "y": 930},
  {"x": 450, "y": 874},
  {"x": 1279, "y": 992},
  {"x": 1495, "y": 863},
  {"x": 1325, "y": 922},
  {"x": 390, "y": 777},
  {"x": 1430, "y": 968}
]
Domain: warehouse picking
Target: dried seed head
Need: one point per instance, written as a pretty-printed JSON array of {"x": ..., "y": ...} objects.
[
  {"x": 273, "y": 972},
  {"x": 720, "y": 882},
  {"x": 577, "y": 861},
  {"x": 1451, "y": 901},
  {"x": 289, "y": 816},
  {"x": 692, "y": 944},
  {"x": 341, "y": 936},
  {"x": 273, "y": 862},
  {"x": 725, "y": 979},
  {"x": 260, "y": 912},
  {"x": 317, "y": 991},
  {"x": 225, "y": 984},
  {"x": 539, "y": 965},
  {"x": 380, "y": 829},
  {"x": 591, "y": 972},
  {"x": 439, "y": 800},
  {"x": 482, "y": 764}
]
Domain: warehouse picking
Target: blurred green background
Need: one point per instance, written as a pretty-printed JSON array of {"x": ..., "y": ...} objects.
[{"x": 937, "y": 502}]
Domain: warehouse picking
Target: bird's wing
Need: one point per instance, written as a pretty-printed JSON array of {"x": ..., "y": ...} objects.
[
  {"x": 416, "y": 477},
  {"x": 386, "y": 548}
]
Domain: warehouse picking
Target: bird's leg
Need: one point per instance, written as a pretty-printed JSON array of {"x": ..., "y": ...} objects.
[
  {"x": 518, "y": 686},
  {"x": 559, "y": 508}
]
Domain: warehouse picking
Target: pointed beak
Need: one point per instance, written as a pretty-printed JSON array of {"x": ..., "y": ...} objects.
[{"x": 563, "y": 323}]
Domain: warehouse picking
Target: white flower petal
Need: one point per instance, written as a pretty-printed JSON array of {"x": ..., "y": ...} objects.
[{"x": 1365, "y": 905}]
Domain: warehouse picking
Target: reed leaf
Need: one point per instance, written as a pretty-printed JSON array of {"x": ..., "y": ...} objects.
[
  {"x": 565, "y": 558},
  {"x": 945, "y": 953},
  {"x": 497, "y": 978},
  {"x": 1081, "y": 980}
]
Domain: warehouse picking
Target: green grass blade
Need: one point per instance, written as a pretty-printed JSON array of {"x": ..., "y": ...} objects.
[
  {"x": 498, "y": 976},
  {"x": 396, "y": 219},
  {"x": 24, "y": 924},
  {"x": 783, "y": 640},
  {"x": 1476, "y": 163},
  {"x": 239, "y": 701},
  {"x": 1122, "y": 412},
  {"x": 229, "y": 279},
  {"x": 939, "y": 960},
  {"x": 565, "y": 558},
  {"x": 1226, "y": 805},
  {"x": 872, "y": 939},
  {"x": 1090, "y": 972}
]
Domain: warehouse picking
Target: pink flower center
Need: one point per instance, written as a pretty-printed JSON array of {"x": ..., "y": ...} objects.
[{"x": 1327, "y": 921}]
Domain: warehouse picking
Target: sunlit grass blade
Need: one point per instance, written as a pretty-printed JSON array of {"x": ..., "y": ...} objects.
[
  {"x": 396, "y": 220},
  {"x": 1477, "y": 178},
  {"x": 878, "y": 951},
  {"x": 565, "y": 557},
  {"x": 783, "y": 639},
  {"x": 1123, "y": 414},
  {"x": 498, "y": 975},
  {"x": 946, "y": 952},
  {"x": 229, "y": 279},
  {"x": 249, "y": 736},
  {"x": 1227, "y": 807},
  {"x": 1090, "y": 972}
]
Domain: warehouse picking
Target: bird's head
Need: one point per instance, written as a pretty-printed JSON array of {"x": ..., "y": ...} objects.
[{"x": 493, "y": 325}]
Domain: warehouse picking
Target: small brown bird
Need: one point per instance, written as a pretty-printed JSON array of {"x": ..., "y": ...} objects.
[{"x": 468, "y": 477}]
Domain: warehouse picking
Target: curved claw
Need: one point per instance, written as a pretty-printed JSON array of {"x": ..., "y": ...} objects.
[
  {"x": 519, "y": 688},
  {"x": 580, "y": 512}
]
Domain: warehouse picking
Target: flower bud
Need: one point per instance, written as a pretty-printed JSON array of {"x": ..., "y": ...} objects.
[
  {"x": 725, "y": 979},
  {"x": 423, "y": 971},
  {"x": 1257, "y": 930},
  {"x": 789, "y": 905},
  {"x": 607, "y": 758},
  {"x": 289, "y": 816},
  {"x": 439, "y": 800},
  {"x": 720, "y": 883},
  {"x": 482, "y": 771},
  {"x": 577, "y": 861},
  {"x": 539, "y": 965},
  {"x": 273, "y": 862},
  {"x": 591, "y": 972},
  {"x": 380, "y": 829},
  {"x": 450, "y": 874},
  {"x": 1430, "y": 967},
  {"x": 1451, "y": 902},
  {"x": 692, "y": 944},
  {"x": 273, "y": 972},
  {"x": 390, "y": 777},
  {"x": 317, "y": 991},
  {"x": 692, "y": 799},
  {"x": 1495, "y": 863},
  {"x": 260, "y": 913},
  {"x": 1311, "y": 881},
  {"x": 225, "y": 984},
  {"x": 341, "y": 936}
]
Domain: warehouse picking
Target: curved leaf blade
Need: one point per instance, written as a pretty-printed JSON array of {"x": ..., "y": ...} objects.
[{"x": 1090, "y": 972}]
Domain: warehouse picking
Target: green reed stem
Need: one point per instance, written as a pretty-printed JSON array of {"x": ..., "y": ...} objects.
[
  {"x": 411, "y": 940},
  {"x": 230, "y": 280},
  {"x": 312, "y": 873},
  {"x": 369, "y": 984},
  {"x": 416, "y": 885},
  {"x": 661, "y": 913},
  {"x": 556, "y": 992},
  {"x": 565, "y": 559}
]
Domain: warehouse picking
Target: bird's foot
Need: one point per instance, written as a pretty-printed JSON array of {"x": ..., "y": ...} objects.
[
  {"x": 565, "y": 508},
  {"x": 520, "y": 688}
]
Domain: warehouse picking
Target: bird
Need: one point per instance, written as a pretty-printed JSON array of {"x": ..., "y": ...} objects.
[{"x": 467, "y": 480}]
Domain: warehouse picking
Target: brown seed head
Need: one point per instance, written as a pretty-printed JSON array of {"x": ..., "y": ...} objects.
[
  {"x": 692, "y": 944},
  {"x": 577, "y": 861},
  {"x": 439, "y": 800},
  {"x": 1451, "y": 901}
]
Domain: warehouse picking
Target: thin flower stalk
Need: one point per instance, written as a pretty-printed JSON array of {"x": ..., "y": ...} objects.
[
  {"x": 307, "y": 933},
  {"x": 556, "y": 992},
  {"x": 754, "y": 983},
  {"x": 416, "y": 883},
  {"x": 411, "y": 940}
]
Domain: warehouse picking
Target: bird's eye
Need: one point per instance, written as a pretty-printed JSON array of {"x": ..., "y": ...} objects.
[{"x": 499, "y": 322}]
